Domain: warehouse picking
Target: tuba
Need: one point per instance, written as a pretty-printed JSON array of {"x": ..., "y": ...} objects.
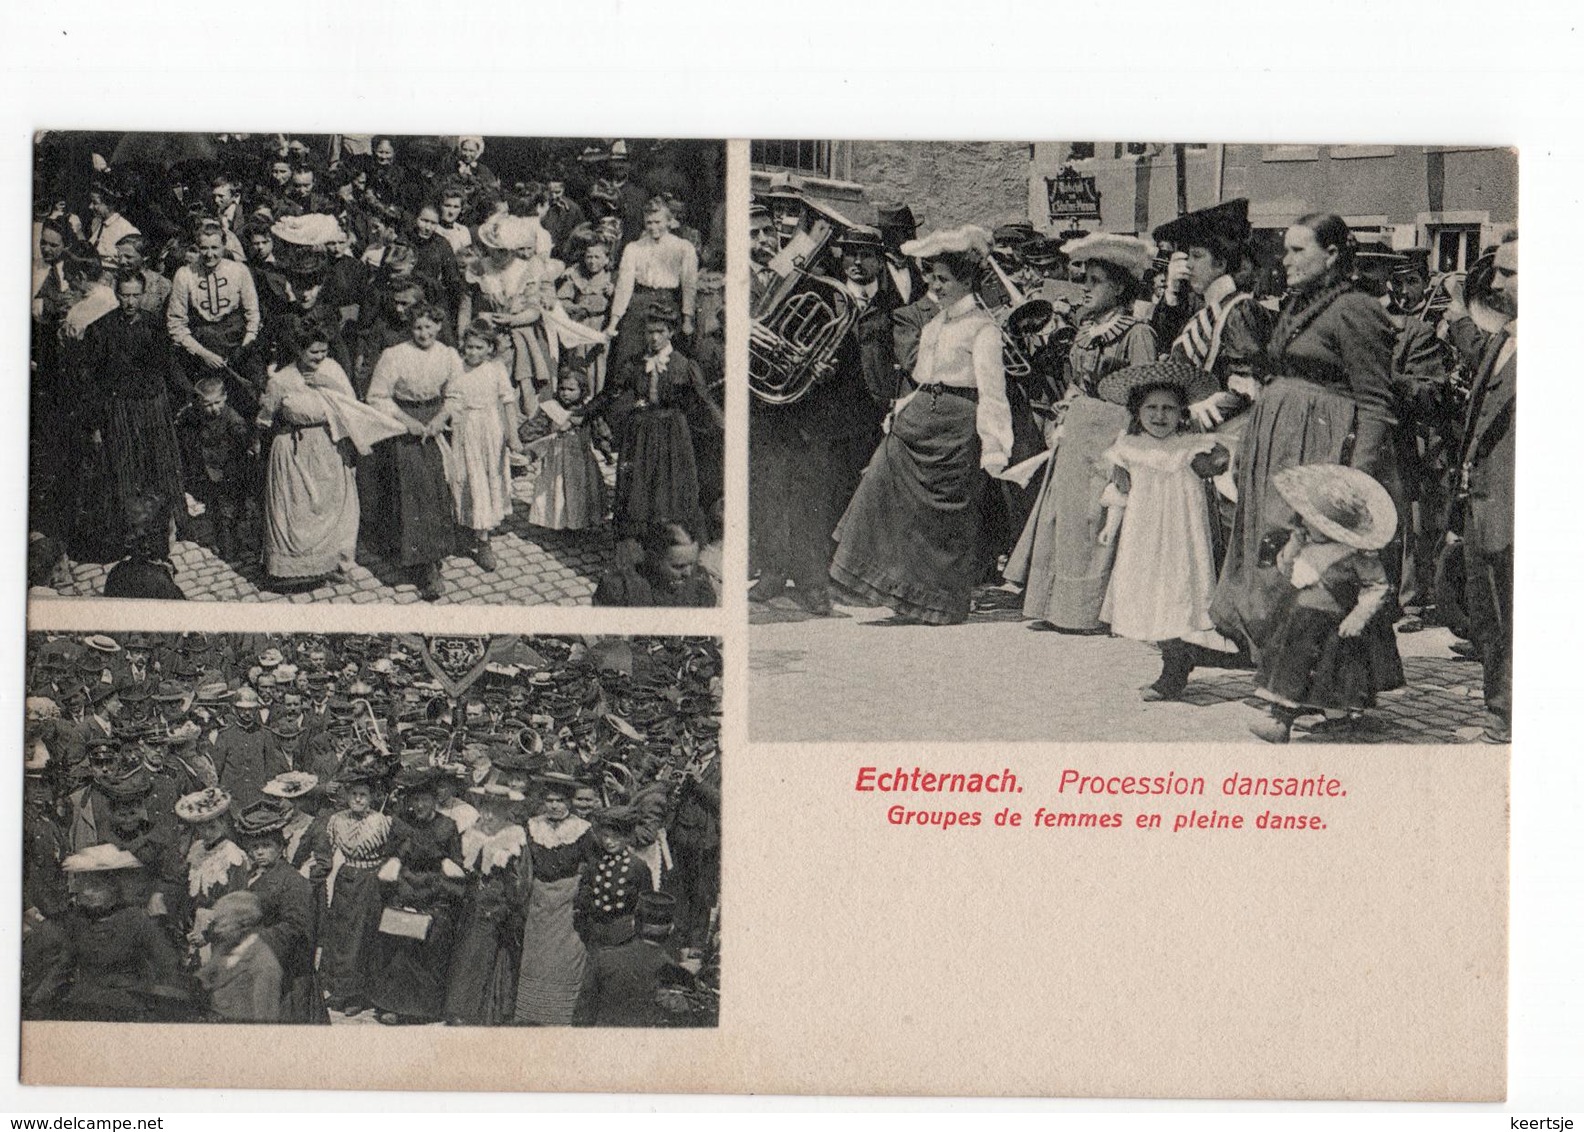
[{"x": 801, "y": 322}]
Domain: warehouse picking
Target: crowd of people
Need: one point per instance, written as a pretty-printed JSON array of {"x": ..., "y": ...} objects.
[
  {"x": 300, "y": 349},
  {"x": 1245, "y": 464},
  {"x": 304, "y": 829}
]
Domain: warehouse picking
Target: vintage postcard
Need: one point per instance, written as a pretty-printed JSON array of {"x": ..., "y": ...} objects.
[{"x": 1114, "y": 565}]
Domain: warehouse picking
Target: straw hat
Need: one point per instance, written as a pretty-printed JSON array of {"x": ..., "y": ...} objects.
[
  {"x": 1344, "y": 504},
  {"x": 203, "y": 805},
  {"x": 1126, "y": 253},
  {"x": 1196, "y": 384},
  {"x": 292, "y": 784},
  {"x": 101, "y": 858},
  {"x": 508, "y": 233},
  {"x": 968, "y": 238}
]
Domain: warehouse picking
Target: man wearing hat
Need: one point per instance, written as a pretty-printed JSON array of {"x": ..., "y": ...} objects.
[
  {"x": 89, "y": 805},
  {"x": 622, "y": 980},
  {"x": 808, "y": 456},
  {"x": 246, "y": 754},
  {"x": 1485, "y": 476},
  {"x": 1421, "y": 366},
  {"x": 895, "y": 221},
  {"x": 629, "y": 198}
]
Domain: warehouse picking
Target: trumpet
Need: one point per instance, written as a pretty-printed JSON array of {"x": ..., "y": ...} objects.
[{"x": 1023, "y": 323}]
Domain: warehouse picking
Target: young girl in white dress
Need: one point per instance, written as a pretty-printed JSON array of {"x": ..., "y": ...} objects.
[
  {"x": 1158, "y": 514},
  {"x": 482, "y": 406},
  {"x": 569, "y": 494}
]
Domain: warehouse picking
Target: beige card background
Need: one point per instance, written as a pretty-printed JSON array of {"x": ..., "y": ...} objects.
[{"x": 1367, "y": 960}]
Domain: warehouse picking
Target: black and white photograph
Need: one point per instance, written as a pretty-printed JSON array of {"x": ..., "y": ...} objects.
[
  {"x": 1132, "y": 441},
  {"x": 380, "y": 829},
  {"x": 377, "y": 368}
]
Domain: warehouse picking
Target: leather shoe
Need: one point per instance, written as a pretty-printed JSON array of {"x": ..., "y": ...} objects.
[
  {"x": 767, "y": 587},
  {"x": 817, "y": 602}
]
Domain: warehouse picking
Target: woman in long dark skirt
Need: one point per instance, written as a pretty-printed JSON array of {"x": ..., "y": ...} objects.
[
  {"x": 411, "y": 986},
  {"x": 409, "y": 382},
  {"x": 483, "y": 988},
  {"x": 1329, "y": 402},
  {"x": 350, "y": 944},
  {"x": 650, "y": 399},
  {"x": 907, "y": 539}
]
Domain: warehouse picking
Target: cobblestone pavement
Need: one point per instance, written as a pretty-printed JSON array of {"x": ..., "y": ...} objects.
[
  {"x": 858, "y": 677},
  {"x": 535, "y": 567}
]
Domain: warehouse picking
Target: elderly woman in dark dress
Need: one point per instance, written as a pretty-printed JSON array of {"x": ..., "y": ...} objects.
[{"x": 1327, "y": 400}]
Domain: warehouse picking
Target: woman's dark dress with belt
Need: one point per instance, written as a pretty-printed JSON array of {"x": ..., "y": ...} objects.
[
  {"x": 412, "y": 981},
  {"x": 1328, "y": 400},
  {"x": 656, "y": 474},
  {"x": 414, "y": 494}
]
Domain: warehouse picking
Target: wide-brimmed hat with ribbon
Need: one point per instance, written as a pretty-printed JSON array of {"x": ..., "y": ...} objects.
[
  {"x": 507, "y": 233},
  {"x": 1344, "y": 504},
  {"x": 267, "y": 815},
  {"x": 203, "y": 805},
  {"x": 292, "y": 784}
]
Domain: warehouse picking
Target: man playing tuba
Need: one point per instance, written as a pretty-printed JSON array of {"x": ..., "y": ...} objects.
[{"x": 807, "y": 454}]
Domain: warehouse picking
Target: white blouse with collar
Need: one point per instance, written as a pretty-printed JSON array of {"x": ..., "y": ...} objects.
[{"x": 961, "y": 347}]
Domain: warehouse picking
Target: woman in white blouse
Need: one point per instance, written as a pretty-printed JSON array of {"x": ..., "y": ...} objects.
[
  {"x": 907, "y": 539},
  {"x": 657, "y": 269}
]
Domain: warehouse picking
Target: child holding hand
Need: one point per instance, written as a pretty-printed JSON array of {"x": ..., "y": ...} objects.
[{"x": 1158, "y": 515}]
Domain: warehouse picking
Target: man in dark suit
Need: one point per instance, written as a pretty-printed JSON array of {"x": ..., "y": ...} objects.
[
  {"x": 1486, "y": 478},
  {"x": 807, "y": 456}
]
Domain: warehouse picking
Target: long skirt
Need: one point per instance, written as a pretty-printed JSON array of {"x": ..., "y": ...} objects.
[
  {"x": 139, "y": 455},
  {"x": 1059, "y": 559},
  {"x": 350, "y": 954},
  {"x": 418, "y": 494},
  {"x": 907, "y": 539},
  {"x": 302, "y": 1001},
  {"x": 656, "y": 477},
  {"x": 311, "y": 517},
  {"x": 483, "y": 984},
  {"x": 414, "y": 972},
  {"x": 553, "y": 956},
  {"x": 1306, "y": 664},
  {"x": 569, "y": 492},
  {"x": 1293, "y": 422}
]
